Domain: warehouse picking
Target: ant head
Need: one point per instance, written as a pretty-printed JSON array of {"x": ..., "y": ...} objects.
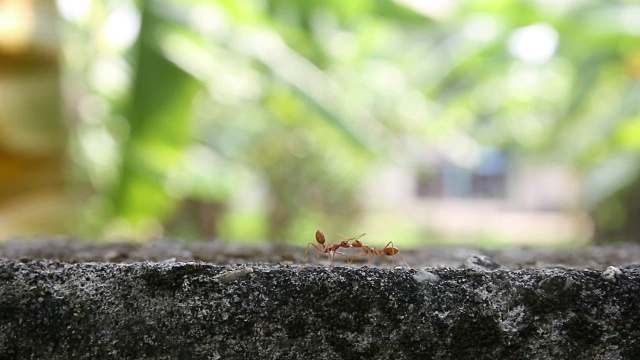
[
  {"x": 345, "y": 243},
  {"x": 357, "y": 243},
  {"x": 320, "y": 237}
]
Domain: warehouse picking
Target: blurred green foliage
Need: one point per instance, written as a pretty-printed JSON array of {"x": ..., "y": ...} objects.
[{"x": 183, "y": 120}]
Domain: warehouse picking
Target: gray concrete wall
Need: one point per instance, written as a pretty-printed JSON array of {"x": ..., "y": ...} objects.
[{"x": 195, "y": 310}]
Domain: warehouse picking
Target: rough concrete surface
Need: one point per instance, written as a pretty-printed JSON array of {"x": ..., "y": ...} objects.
[{"x": 174, "y": 309}]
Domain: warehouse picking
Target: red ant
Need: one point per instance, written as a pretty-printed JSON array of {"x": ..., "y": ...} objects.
[
  {"x": 371, "y": 251},
  {"x": 328, "y": 249}
]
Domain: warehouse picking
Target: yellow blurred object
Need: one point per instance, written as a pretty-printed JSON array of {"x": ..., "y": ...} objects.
[
  {"x": 39, "y": 212},
  {"x": 633, "y": 65},
  {"x": 33, "y": 196},
  {"x": 16, "y": 25}
]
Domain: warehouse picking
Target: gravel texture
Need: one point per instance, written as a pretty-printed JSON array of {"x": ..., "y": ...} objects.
[{"x": 69, "y": 300}]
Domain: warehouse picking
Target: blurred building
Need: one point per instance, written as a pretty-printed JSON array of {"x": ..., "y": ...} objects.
[{"x": 494, "y": 197}]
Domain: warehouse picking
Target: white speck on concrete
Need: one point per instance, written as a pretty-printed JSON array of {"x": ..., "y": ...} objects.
[
  {"x": 426, "y": 276},
  {"x": 611, "y": 274},
  {"x": 233, "y": 275},
  {"x": 481, "y": 263}
]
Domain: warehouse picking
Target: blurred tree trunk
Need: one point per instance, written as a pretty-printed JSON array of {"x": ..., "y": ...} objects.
[
  {"x": 159, "y": 116},
  {"x": 33, "y": 161},
  {"x": 197, "y": 219}
]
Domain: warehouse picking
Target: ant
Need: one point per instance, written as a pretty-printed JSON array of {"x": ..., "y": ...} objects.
[
  {"x": 371, "y": 251},
  {"x": 329, "y": 248}
]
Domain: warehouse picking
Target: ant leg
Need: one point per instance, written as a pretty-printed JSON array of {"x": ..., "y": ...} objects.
[
  {"x": 317, "y": 248},
  {"x": 393, "y": 255},
  {"x": 386, "y": 246},
  {"x": 371, "y": 257},
  {"x": 404, "y": 261},
  {"x": 350, "y": 260},
  {"x": 334, "y": 256},
  {"x": 347, "y": 258}
]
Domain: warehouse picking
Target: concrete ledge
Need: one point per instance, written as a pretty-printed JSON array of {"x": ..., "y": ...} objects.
[{"x": 195, "y": 310}]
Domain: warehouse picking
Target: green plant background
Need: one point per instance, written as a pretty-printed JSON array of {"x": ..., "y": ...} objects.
[{"x": 307, "y": 97}]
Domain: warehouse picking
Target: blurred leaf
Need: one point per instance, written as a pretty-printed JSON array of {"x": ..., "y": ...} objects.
[
  {"x": 628, "y": 134},
  {"x": 311, "y": 84}
]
